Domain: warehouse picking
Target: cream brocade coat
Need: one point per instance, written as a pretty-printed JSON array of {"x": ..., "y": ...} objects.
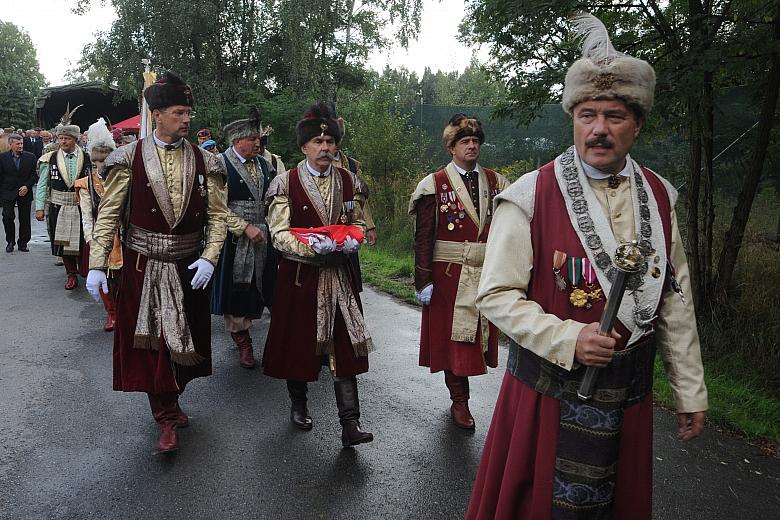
[{"x": 507, "y": 273}]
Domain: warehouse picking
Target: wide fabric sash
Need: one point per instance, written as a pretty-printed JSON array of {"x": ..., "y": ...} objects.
[
  {"x": 466, "y": 319},
  {"x": 249, "y": 258},
  {"x": 334, "y": 291},
  {"x": 161, "y": 312},
  {"x": 589, "y": 432},
  {"x": 67, "y": 233}
]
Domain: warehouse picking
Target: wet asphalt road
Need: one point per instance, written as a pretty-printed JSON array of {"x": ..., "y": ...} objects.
[{"x": 72, "y": 448}]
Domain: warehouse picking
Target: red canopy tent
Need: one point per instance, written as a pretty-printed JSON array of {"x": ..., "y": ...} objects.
[{"x": 130, "y": 125}]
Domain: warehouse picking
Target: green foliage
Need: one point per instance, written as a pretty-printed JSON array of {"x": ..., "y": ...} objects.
[
  {"x": 736, "y": 403},
  {"x": 382, "y": 138},
  {"x": 515, "y": 170},
  {"x": 231, "y": 50},
  {"x": 389, "y": 272},
  {"x": 20, "y": 77}
]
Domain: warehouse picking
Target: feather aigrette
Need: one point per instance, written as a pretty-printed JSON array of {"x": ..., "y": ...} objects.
[
  {"x": 68, "y": 115},
  {"x": 99, "y": 135},
  {"x": 321, "y": 110},
  {"x": 596, "y": 44},
  {"x": 255, "y": 119}
]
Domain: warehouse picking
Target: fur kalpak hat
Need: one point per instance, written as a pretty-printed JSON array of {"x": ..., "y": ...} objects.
[
  {"x": 65, "y": 128},
  {"x": 604, "y": 73},
  {"x": 318, "y": 120},
  {"x": 167, "y": 91},
  {"x": 241, "y": 128},
  {"x": 100, "y": 142},
  {"x": 461, "y": 126}
]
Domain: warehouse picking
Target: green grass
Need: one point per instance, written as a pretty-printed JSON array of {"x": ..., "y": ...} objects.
[
  {"x": 736, "y": 403},
  {"x": 739, "y": 402},
  {"x": 388, "y": 272}
]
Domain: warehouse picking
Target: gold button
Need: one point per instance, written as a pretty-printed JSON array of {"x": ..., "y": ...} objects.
[
  {"x": 612, "y": 193},
  {"x": 154, "y": 210}
]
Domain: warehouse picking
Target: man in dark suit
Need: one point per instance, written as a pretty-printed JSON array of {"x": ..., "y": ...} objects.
[
  {"x": 17, "y": 177},
  {"x": 33, "y": 143}
]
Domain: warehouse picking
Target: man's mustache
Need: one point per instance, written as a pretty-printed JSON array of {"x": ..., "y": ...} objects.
[
  {"x": 326, "y": 155},
  {"x": 599, "y": 141}
]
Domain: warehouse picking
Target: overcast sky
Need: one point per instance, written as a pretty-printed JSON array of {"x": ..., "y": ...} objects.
[{"x": 48, "y": 21}]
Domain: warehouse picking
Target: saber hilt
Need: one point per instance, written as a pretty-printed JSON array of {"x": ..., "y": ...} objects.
[{"x": 628, "y": 260}]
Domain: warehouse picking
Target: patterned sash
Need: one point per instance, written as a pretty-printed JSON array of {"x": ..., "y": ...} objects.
[{"x": 589, "y": 433}]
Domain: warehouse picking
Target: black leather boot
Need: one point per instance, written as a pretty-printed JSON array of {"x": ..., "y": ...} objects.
[
  {"x": 349, "y": 412},
  {"x": 299, "y": 413}
]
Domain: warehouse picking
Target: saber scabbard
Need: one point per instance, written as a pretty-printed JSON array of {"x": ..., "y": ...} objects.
[{"x": 628, "y": 260}]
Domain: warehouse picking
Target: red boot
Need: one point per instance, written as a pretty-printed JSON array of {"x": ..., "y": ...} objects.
[
  {"x": 108, "y": 303},
  {"x": 169, "y": 440},
  {"x": 165, "y": 409},
  {"x": 459, "y": 393},
  {"x": 182, "y": 420},
  {"x": 245, "y": 354},
  {"x": 72, "y": 282},
  {"x": 71, "y": 268}
]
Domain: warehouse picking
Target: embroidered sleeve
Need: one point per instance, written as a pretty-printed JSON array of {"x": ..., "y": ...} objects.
[
  {"x": 216, "y": 227},
  {"x": 117, "y": 185}
]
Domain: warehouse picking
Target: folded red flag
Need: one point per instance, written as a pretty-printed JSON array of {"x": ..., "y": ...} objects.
[{"x": 336, "y": 232}]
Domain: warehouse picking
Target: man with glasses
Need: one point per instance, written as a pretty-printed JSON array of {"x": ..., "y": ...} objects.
[{"x": 169, "y": 196}]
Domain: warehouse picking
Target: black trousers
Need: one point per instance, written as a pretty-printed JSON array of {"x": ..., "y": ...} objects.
[{"x": 24, "y": 204}]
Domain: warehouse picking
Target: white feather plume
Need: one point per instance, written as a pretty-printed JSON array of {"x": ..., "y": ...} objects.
[
  {"x": 98, "y": 135},
  {"x": 596, "y": 44}
]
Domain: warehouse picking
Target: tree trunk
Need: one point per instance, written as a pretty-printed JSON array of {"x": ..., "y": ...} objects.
[
  {"x": 692, "y": 201},
  {"x": 733, "y": 242},
  {"x": 708, "y": 188}
]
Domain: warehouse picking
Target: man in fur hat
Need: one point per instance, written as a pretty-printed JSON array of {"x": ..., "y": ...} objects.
[
  {"x": 317, "y": 316},
  {"x": 169, "y": 196},
  {"x": 549, "y": 263},
  {"x": 89, "y": 191},
  {"x": 453, "y": 210},
  {"x": 57, "y": 173},
  {"x": 246, "y": 271}
]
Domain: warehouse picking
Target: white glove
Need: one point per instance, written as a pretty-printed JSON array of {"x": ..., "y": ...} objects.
[
  {"x": 350, "y": 246},
  {"x": 96, "y": 279},
  {"x": 203, "y": 273},
  {"x": 323, "y": 245},
  {"x": 424, "y": 296}
]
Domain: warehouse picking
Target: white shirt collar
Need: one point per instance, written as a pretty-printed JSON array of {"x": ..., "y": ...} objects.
[
  {"x": 240, "y": 158},
  {"x": 462, "y": 171},
  {"x": 316, "y": 173},
  {"x": 595, "y": 173},
  {"x": 163, "y": 144}
]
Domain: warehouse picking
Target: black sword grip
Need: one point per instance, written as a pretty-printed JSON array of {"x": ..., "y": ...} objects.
[{"x": 588, "y": 383}]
